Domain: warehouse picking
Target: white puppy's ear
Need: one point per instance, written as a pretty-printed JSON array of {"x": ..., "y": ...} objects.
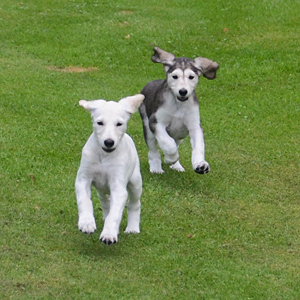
[
  {"x": 207, "y": 67},
  {"x": 91, "y": 105},
  {"x": 164, "y": 57},
  {"x": 84, "y": 103},
  {"x": 132, "y": 103}
]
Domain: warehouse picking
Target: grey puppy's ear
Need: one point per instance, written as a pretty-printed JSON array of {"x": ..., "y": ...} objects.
[
  {"x": 161, "y": 56},
  {"x": 207, "y": 67}
]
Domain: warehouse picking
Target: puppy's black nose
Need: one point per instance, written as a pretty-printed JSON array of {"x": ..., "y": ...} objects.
[
  {"x": 182, "y": 92},
  {"x": 109, "y": 143}
]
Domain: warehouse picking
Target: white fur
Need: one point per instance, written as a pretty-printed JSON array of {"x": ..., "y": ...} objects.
[
  {"x": 186, "y": 79},
  {"x": 115, "y": 174}
]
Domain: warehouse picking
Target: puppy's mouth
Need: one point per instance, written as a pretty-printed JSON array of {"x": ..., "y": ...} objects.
[
  {"x": 182, "y": 98},
  {"x": 108, "y": 150}
]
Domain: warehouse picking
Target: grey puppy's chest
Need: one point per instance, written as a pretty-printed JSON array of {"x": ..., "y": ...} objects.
[
  {"x": 177, "y": 129},
  {"x": 175, "y": 116}
]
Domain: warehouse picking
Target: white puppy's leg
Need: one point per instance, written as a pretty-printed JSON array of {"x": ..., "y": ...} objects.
[
  {"x": 105, "y": 203},
  {"x": 86, "y": 220},
  {"x": 118, "y": 197},
  {"x": 134, "y": 204},
  {"x": 198, "y": 158}
]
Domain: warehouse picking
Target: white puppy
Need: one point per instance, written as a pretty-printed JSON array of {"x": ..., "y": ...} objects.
[{"x": 110, "y": 162}]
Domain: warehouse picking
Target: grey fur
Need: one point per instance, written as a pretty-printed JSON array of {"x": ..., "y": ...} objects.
[{"x": 159, "y": 94}]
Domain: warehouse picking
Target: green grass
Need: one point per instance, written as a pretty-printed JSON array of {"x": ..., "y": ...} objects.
[{"x": 231, "y": 234}]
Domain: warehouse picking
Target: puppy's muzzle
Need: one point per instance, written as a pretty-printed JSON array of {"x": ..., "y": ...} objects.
[
  {"x": 109, "y": 143},
  {"x": 182, "y": 93}
]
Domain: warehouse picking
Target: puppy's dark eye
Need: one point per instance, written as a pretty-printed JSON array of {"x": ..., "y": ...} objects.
[
  {"x": 119, "y": 124},
  {"x": 100, "y": 123},
  {"x": 175, "y": 77},
  {"x": 191, "y": 77}
]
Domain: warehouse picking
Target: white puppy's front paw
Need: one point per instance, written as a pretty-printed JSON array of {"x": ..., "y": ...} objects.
[
  {"x": 177, "y": 166},
  {"x": 87, "y": 224},
  {"x": 202, "y": 167},
  {"x": 108, "y": 238}
]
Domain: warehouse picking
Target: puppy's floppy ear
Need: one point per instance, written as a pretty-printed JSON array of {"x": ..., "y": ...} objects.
[
  {"x": 207, "y": 67},
  {"x": 132, "y": 103},
  {"x": 161, "y": 56},
  {"x": 91, "y": 105}
]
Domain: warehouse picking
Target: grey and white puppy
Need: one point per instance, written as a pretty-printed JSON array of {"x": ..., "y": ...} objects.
[{"x": 170, "y": 111}]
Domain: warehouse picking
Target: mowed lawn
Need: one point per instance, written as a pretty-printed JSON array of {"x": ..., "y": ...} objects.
[{"x": 230, "y": 234}]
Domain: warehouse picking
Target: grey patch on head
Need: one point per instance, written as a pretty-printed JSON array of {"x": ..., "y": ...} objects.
[{"x": 184, "y": 63}]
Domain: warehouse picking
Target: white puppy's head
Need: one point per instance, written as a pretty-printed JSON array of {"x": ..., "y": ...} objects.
[{"x": 110, "y": 119}]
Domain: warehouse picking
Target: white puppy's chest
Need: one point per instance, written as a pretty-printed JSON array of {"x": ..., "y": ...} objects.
[
  {"x": 101, "y": 177},
  {"x": 105, "y": 169}
]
